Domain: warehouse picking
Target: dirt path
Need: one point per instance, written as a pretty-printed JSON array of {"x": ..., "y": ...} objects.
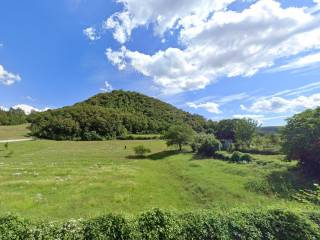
[{"x": 16, "y": 140}]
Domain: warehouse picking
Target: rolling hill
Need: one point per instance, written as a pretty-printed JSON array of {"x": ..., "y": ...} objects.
[{"x": 109, "y": 115}]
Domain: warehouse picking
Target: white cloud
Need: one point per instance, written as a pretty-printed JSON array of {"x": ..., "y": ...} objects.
[
  {"x": 216, "y": 43},
  {"x": 211, "y": 107},
  {"x": 301, "y": 62},
  {"x": 8, "y": 78},
  {"x": 163, "y": 14},
  {"x": 28, "y": 109},
  {"x": 232, "y": 98},
  {"x": 3, "y": 108},
  {"x": 258, "y": 118},
  {"x": 91, "y": 33},
  {"x": 107, "y": 87},
  {"x": 282, "y": 105}
]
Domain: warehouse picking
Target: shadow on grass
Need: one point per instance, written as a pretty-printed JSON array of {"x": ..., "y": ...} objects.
[
  {"x": 283, "y": 183},
  {"x": 156, "y": 156},
  {"x": 163, "y": 154}
]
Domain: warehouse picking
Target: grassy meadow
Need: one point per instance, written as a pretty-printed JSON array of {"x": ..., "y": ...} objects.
[
  {"x": 64, "y": 179},
  {"x": 14, "y": 132}
]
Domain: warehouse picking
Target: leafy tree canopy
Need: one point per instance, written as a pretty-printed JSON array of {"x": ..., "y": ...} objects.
[
  {"x": 301, "y": 138},
  {"x": 179, "y": 135}
]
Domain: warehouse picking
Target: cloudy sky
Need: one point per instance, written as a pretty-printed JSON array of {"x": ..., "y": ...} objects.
[{"x": 218, "y": 58}]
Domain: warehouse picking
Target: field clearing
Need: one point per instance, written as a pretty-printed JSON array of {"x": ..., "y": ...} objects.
[
  {"x": 62, "y": 180},
  {"x": 14, "y": 132}
]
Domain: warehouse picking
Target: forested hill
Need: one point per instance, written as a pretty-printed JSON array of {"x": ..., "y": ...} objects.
[
  {"x": 108, "y": 115},
  {"x": 159, "y": 112}
]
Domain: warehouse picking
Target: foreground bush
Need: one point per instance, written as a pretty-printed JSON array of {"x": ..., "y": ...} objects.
[
  {"x": 162, "y": 225},
  {"x": 206, "y": 145}
]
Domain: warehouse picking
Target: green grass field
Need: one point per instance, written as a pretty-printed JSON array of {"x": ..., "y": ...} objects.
[
  {"x": 13, "y": 132},
  {"x": 61, "y": 180}
]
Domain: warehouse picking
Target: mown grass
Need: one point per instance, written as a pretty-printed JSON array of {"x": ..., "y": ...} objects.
[
  {"x": 62, "y": 180},
  {"x": 13, "y": 132}
]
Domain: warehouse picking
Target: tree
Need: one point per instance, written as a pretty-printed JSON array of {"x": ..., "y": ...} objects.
[
  {"x": 238, "y": 131},
  {"x": 179, "y": 135},
  {"x": 226, "y": 129},
  {"x": 244, "y": 131},
  {"x": 206, "y": 144},
  {"x": 141, "y": 150},
  {"x": 301, "y": 140}
]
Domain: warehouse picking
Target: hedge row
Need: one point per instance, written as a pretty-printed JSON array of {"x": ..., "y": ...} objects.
[{"x": 162, "y": 225}]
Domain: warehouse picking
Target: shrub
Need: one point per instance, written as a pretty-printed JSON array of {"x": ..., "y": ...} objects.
[
  {"x": 158, "y": 225},
  {"x": 222, "y": 156},
  {"x": 206, "y": 144},
  {"x": 236, "y": 156},
  {"x": 111, "y": 227},
  {"x": 12, "y": 227},
  {"x": 162, "y": 225},
  {"x": 246, "y": 158},
  {"x": 141, "y": 150}
]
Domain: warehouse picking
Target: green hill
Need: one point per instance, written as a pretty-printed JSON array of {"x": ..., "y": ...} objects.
[
  {"x": 270, "y": 129},
  {"x": 109, "y": 115}
]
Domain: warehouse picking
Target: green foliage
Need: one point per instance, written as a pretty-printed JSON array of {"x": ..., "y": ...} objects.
[
  {"x": 246, "y": 158},
  {"x": 245, "y": 130},
  {"x": 162, "y": 225},
  {"x": 12, "y": 117},
  {"x": 111, "y": 115},
  {"x": 158, "y": 225},
  {"x": 141, "y": 150},
  {"x": 109, "y": 227},
  {"x": 241, "y": 157},
  {"x": 262, "y": 143},
  {"x": 179, "y": 135},
  {"x": 12, "y": 227},
  {"x": 301, "y": 138},
  {"x": 236, "y": 156},
  {"x": 309, "y": 196},
  {"x": 160, "y": 115},
  {"x": 226, "y": 129},
  {"x": 82, "y": 123},
  {"x": 238, "y": 131},
  {"x": 206, "y": 145}
]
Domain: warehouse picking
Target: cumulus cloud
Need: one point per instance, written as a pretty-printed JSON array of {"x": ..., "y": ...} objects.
[
  {"x": 107, "y": 87},
  {"x": 211, "y": 107},
  {"x": 29, "y": 109},
  {"x": 282, "y": 105},
  {"x": 216, "y": 41},
  {"x": 91, "y": 33},
  {"x": 163, "y": 14},
  {"x": 8, "y": 78}
]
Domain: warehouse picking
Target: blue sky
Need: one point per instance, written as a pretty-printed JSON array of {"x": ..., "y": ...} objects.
[{"x": 220, "y": 59}]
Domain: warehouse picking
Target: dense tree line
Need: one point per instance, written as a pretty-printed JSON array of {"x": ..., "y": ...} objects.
[
  {"x": 301, "y": 138},
  {"x": 115, "y": 114},
  {"x": 12, "y": 117}
]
